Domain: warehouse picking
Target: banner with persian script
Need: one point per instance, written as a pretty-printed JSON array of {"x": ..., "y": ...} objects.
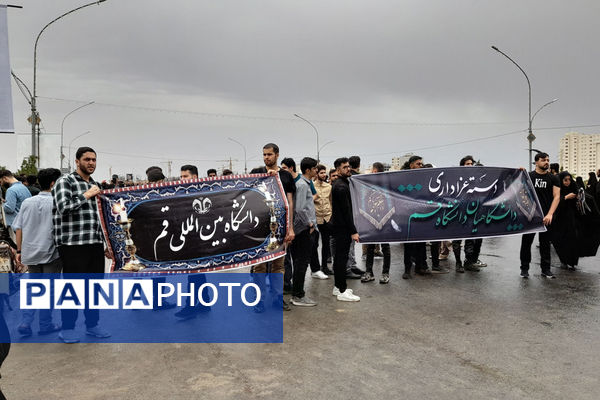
[
  {"x": 6, "y": 108},
  {"x": 200, "y": 225},
  {"x": 431, "y": 204}
]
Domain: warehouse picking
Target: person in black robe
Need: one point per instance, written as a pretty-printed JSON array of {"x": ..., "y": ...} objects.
[
  {"x": 592, "y": 187},
  {"x": 565, "y": 224},
  {"x": 588, "y": 216}
]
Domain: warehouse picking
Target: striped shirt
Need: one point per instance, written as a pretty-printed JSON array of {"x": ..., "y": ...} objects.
[{"x": 75, "y": 219}]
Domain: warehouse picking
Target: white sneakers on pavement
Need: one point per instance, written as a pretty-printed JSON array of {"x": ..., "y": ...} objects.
[
  {"x": 336, "y": 291},
  {"x": 348, "y": 296},
  {"x": 319, "y": 275}
]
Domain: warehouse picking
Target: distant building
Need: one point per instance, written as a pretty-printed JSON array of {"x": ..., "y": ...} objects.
[
  {"x": 579, "y": 153},
  {"x": 397, "y": 162}
]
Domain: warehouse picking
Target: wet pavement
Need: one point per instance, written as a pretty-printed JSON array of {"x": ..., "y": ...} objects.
[{"x": 477, "y": 335}]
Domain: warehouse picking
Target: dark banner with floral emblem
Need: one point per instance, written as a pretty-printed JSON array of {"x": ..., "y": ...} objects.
[
  {"x": 431, "y": 204},
  {"x": 201, "y": 225}
]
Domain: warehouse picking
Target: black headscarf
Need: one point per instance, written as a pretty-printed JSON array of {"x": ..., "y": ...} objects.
[
  {"x": 580, "y": 183},
  {"x": 592, "y": 183},
  {"x": 565, "y": 190}
]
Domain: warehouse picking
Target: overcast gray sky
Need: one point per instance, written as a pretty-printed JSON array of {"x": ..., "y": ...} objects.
[{"x": 379, "y": 78}]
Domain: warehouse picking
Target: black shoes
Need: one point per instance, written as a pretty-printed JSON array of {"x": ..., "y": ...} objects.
[
  {"x": 524, "y": 274},
  {"x": 548, "y": 274},
  {"x": 189, "y": 312}
]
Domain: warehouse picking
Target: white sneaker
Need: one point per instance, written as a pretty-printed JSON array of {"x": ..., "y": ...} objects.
[
  {"x": 348, "y": 296},
  {"x": 319, "y": 275},
  {"x": 336, "y": 291}
]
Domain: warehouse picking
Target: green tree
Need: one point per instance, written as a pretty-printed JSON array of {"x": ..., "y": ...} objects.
[{"x": 28, "y": 166}]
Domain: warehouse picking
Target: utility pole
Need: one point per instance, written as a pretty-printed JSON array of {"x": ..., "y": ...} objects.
[{"x": 34, "y": 118}]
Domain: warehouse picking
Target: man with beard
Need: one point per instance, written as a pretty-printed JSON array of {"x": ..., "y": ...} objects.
[
  {"x": 343, "y": 229},
  {"x": 547, "y": 189},
  {"x": 78, "y": 235},
  {"x": 323, "y": 211},
  {"x": 270, "y": 157}
]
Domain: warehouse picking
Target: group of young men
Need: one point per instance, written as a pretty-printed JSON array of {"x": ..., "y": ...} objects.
[{"x": 59, "y": 230}]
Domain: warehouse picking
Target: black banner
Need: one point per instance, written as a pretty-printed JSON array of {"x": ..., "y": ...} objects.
[
  {"x": 431, "y": 204},
  {"x": 201, "y": 225}
]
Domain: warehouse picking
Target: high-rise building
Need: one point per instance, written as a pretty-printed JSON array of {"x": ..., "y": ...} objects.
[
  {"x": 397, "y": 162},
  {"x": 579, "y": 153}
]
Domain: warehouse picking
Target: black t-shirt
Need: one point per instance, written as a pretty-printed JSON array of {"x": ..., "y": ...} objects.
[
  {"x": 543, "y": 185},
  {"x": 287, "y": 181}
]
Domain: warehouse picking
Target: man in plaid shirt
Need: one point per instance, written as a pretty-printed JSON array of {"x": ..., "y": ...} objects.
[{"x": 78, "y": 235}]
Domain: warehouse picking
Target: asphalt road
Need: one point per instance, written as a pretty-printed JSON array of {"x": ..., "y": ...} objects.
[{"x": 477, "y": 335}]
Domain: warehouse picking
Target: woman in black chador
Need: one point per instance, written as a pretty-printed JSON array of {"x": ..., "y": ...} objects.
[{"x": 565, "y": 223}]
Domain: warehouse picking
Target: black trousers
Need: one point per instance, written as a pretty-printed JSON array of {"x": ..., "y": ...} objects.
[
  {"x": 315, "y": 265},
  {"x": 434, "y": 249},
  {"x": 288, "y": 270},
  {"x": 81, "y": 259},
  {"x": 343, "y": 239},
  {"x": 472, "y": 249},
  {"x": 526, "y": 241},
  {"x": 385, "y": 249},
  {"x": 301, "y": 246},
  {"x": 418, "y": 251},
  {"x": 325, "y": 235}
]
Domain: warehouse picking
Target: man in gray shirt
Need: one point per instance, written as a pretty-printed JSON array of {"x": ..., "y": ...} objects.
[
  {"x": 305, "y": 222},
  {"x": 35, "y": 244}
]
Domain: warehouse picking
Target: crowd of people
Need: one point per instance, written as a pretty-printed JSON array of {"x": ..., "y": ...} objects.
[{"x": 54, "y": 226}]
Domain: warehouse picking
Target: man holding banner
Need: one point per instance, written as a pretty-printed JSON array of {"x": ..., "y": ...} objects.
[
  {"x": 78, "y": 235},
  {"x": 547, "y": 188},
  {"x": 344, "y": 231},
  {"x": 472, "y": 246},
  {"x": 270, "y": 157}
]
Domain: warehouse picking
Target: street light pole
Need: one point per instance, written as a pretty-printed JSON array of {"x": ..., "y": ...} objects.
[
  {"x": 245, "y": 159},
  {"x": 62, "y": 125},
  {"x": 321, "y": 148},
  {"x": 316, "y": 131},
  {"x": 34, "y": 113},
  {"x": 530, "y": 136},
  {"x": 70, "y": 145},
  {"x": 540, "y": 109}
]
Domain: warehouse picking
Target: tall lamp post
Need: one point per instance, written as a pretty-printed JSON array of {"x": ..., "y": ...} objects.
[
  {"x": 35, "y": 120},
  {"x": 62, "y": 125},
  {"x": 245, "y": 159},
  {"x": 322, "y": 147},
  {"x": 71, "y": 143},
  {"x": 316, "y": 131},
  {"x": 530, "y": 136}
]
